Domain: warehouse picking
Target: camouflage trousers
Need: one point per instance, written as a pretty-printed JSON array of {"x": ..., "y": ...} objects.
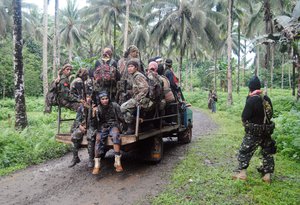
[
  {"x": 70, "y": 105},
  {"x": 76, "y": 138},
  {"x": 129, "y": 107},
  {"x": 248, "y": 147},
  {"x": 101, "y": 137}
]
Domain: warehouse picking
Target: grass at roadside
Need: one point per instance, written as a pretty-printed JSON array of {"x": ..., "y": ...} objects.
[{"x": 204, "y": 176}]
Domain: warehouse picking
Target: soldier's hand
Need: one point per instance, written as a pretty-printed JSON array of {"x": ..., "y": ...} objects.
[{"x": 82, "y": 128}]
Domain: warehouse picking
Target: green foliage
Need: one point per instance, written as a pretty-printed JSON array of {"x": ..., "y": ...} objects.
[
  {"x": 32, "y": 62},
  {"x": 34, "y": 144},
  {"x": 204, "y": 176}
]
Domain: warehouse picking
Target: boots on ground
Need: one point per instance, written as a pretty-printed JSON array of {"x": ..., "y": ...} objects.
[
  {"x": 117, "y": 164},
  {"x": 241, "y": 175},
  {"x": 97, "y": 166}
]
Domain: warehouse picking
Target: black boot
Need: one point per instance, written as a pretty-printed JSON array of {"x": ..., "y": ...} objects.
[
  {"x": 91, "y": 151},
  {"x": 130, "y": 129},
  {"x": 75, "y": 159}
]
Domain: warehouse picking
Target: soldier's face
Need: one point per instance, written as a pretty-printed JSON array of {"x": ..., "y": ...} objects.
[
  {"x": 104, "y": 101},
  {"x": 67, "y": 71},
  {"x": 131, "y": 69}
]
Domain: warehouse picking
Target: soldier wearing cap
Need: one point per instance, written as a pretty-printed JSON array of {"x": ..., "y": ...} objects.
[
  {"x": 65, "y": 97},
  {"x": 107, "y": 119},
  {"x": 106, "y": 75},
  {"x": 171, "y": 77},
  {"x": 140, "y": 91}
]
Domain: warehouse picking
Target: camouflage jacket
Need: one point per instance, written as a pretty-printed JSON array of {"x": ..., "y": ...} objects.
[
  {"x": 108, "y": 116},
  {"x": 139, "y": 86},
  {"x": 64, "y": 92}
]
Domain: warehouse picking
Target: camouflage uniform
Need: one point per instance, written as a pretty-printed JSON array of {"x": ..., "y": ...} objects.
[
  {"x": 140, "y": 91},
  {"x": 111, "y": 86},
  {"x": 258, "y": 133},
  {"x": 107, "y": 123},
  {"x": 65, "y": 97}
]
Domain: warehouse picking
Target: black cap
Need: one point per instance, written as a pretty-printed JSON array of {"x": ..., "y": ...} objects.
[
  {"x": 254, "y": 83},
  {"x": 168, "y": 62}
]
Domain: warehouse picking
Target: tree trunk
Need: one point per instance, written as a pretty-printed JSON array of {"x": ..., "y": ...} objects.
[
  {"x": 229, "y": 50},
  {"x": 70, "y": 52},
  {"x": 272, "y": 65},
  {"x": 20, "y": 107},
  {"x": 257, "y": 62},
  {"x": 126, "y": 26},
  {"x": 239, "y": 58},
  {"x": 215, "y": 71},
  {"x": 245, "y": 61},
  {"x": 54, "y": 70},
  {"x": 282, "y": 70},
  {"x": 115, "y": 36},
  {"x": 182, "y": 46},
  {"x": 191, "y": 76},
  {"x": 45, "y": 53}
]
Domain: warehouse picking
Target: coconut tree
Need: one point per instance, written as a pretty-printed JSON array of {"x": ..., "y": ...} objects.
[
  {"x": 55, "y": 41},
  {"x": 184, "y": 24},
  {"x": 20, "y": 107},
  {"x": 45, "y": 52},
  {"x": 71, "y": 27},
  {"x": 6, "y": 10},
  {"x": 229, "y": 50}
]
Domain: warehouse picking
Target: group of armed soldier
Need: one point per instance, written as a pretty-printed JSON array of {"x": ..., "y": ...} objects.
[{"x": 105, "y": 99}]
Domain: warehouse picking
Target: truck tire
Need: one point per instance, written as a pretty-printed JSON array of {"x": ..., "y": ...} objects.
[
  {"x": 185, "y": 137},
  {"x": 153, "y": 150}
]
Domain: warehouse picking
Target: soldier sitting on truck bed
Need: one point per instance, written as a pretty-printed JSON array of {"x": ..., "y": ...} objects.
[
  {"x": 140, "y": 97},
  {"x": 107, "y": 119}
]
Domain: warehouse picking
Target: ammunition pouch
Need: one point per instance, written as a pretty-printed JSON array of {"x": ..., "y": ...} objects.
[{"x": 260, "y": 130}]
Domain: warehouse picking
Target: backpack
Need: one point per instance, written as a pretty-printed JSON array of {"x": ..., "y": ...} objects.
[
  {"x": 105, "y": 72},
  {"x": 267, "y": 110},
  {"x": 51, "y": 97},
  {"x": 155, "y": 92}
]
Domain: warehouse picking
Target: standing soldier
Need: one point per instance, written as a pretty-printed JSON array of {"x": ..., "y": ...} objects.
[
  {"x": 256, "y": 118},
  {"x": 107, "y": 122},
  {"x": 140, "y": 91},
  {"x": 171, "y": 77},
  {"x": 124, "y": 86},
  {"x": 80, "y": 90},
  {"x": 106, "y": 75}
]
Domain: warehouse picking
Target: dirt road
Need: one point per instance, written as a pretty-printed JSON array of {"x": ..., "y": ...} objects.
[{"x": 54, "y": 183}]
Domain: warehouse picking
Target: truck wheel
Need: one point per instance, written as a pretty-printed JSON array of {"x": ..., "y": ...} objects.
[
  {"x": 185, "y": 136},
  {"x": 154, "y": 150}
]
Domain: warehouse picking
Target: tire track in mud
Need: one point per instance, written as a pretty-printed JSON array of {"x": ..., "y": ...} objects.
[{"x": 54, "y": 183}]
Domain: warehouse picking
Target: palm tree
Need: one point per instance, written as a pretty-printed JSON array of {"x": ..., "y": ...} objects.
[
  {"x": 109, "y": 12},
  {"x": 45, "y": 52},
  {"x": 183, "y": 25},
  {"x": 71, "y": 31},
  {"x": 55, "y": 41},
  {"x": 229, "y": 50},
  {"x": 5, "y": 17},
  {"x": 128, "y": 2},
  {"x": 20, "y": 108}
]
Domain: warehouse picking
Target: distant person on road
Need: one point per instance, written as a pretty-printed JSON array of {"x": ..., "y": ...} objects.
[
  {"x": 212, "y": 100},
  {"x": 256, "y": 118}
]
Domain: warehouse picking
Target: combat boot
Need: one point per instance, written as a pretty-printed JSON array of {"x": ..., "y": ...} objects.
[
  {"x": 117, "y": 164},
  {"x": 97, "y": 166},
  {"x": 241, "y": 175},
  {"x": 130, "y": 129},
  {"x": 267, "y": 178},
  {"x": 75, "y": 159}
]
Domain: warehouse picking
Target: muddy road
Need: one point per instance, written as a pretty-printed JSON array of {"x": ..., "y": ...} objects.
[{"x": 54, "y": 183}]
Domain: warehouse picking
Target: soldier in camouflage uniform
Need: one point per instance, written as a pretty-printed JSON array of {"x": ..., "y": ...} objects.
[
  {"x": 81, "y": 89},
  {"x": 124, "y": 86},
  {"x": 65, "y": 97},
  {"x": 139, "y": 95},
  {"x": 105, "y": 80},
  {"x": 256, "y": 118},
  {"x": 107, "y": 123}
]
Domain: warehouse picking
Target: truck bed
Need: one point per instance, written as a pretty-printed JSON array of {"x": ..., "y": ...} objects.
[{"x": 125, "y": 139}]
